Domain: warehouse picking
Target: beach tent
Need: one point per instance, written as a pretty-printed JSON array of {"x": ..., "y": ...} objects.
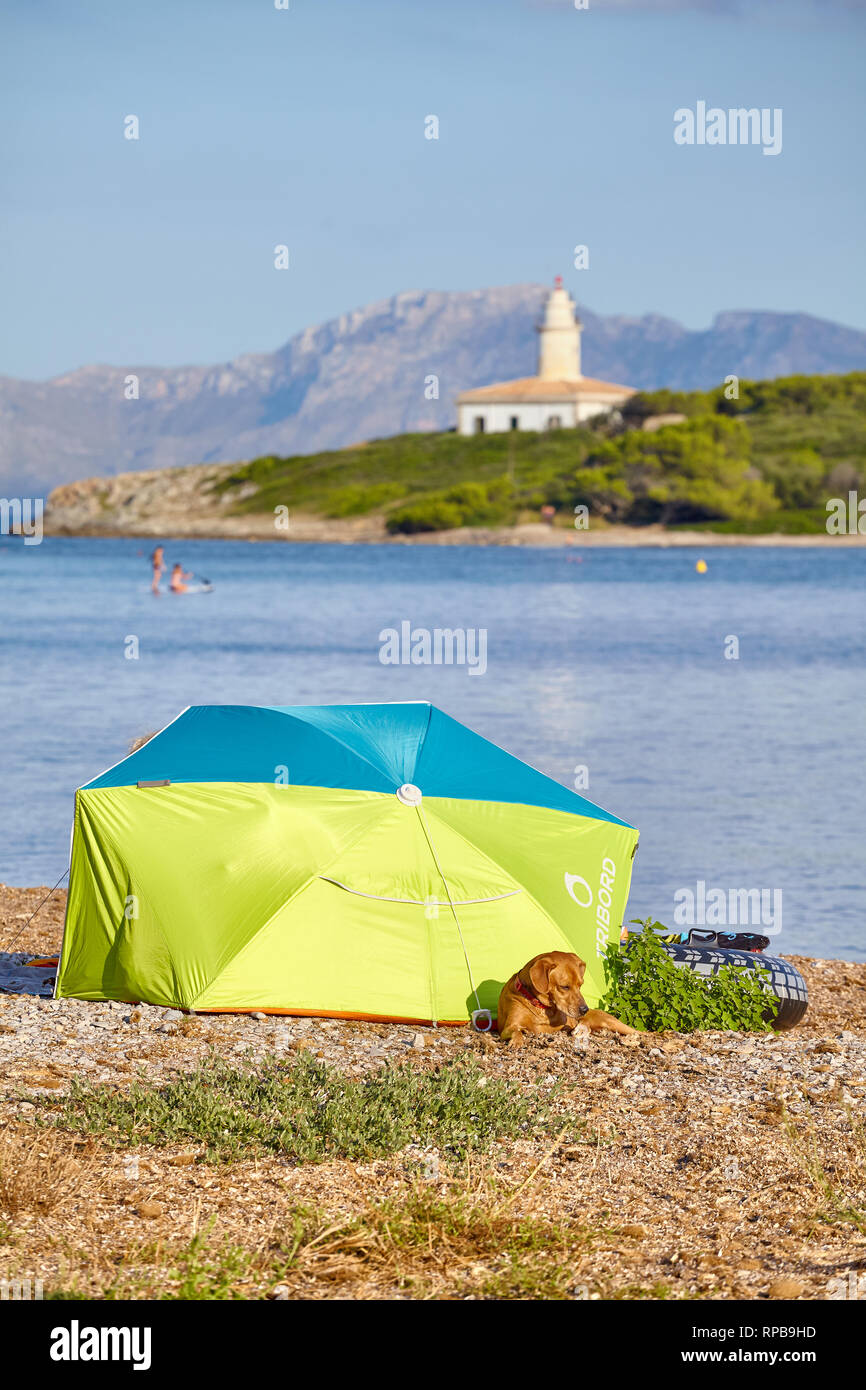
[{"x": 354, "y": 861}]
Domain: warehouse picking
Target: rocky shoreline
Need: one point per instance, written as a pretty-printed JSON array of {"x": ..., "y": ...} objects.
[
  {"x": 718, "y": 1165},
  {"x": 185, "y": 503}
]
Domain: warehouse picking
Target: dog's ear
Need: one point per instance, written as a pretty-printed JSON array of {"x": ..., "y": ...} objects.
[
  {"x": 539, "y": 974},
  {"x": 581, "y": 969}
]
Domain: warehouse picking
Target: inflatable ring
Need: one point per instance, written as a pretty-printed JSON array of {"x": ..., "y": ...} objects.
[{"x": 785, "y": 980}]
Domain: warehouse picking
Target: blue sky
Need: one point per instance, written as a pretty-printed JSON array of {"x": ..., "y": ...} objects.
[{"x": 306, "y": 127}]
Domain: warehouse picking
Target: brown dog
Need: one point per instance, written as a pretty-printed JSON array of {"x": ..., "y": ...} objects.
[{"x": 545, "y": 996}]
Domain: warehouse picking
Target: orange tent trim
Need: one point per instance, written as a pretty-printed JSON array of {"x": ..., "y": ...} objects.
[{"x": 332, "y": 1013}]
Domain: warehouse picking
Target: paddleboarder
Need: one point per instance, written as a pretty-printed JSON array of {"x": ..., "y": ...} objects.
[{"x": 158, "y": 562}]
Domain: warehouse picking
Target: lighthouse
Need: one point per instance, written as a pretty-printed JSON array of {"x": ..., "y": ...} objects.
[
  {"x": 559, "y": 396},
  {"x": 559, "y": 337}
]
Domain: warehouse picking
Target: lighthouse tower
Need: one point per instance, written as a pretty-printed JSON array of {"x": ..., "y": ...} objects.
[
  {"x": 558, "y": 397},
  {"x": 559, "y": 337}
]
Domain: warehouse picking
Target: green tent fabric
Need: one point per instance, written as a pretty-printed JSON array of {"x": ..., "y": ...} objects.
[{"x": 363, "y": 861}]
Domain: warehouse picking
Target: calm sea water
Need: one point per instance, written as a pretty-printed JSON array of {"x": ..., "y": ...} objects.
[{"x": 740, "y": 773}]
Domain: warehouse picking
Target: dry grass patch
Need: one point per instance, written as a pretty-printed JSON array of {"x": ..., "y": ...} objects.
[
  {"x": 38, "y": 1173},
  {"x": 464, "y": 1241},
  {"x": 426, "y": 1243},
  {"x": 837, "y": 1177}
]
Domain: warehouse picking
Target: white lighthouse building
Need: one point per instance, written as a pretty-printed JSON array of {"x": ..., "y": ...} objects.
[{"x": 559, "y": 397}]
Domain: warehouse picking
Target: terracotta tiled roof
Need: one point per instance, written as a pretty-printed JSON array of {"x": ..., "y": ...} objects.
[{"x": 533, "y": 388}]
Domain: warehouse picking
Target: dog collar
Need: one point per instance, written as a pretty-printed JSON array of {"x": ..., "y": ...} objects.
[{"x": 533, "y": 999}]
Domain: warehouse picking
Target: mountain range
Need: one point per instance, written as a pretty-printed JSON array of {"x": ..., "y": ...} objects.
[{"x": 368, "y": 374}]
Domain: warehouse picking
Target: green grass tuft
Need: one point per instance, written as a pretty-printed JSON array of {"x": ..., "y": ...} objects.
[{"x": 309, "y": 1111}]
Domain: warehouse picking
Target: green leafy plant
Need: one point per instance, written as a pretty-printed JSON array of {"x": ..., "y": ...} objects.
[{"x": 647, "y": 990}]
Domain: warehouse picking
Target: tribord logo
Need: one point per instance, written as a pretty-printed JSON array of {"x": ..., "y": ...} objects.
[
  {"x": 580, "y": 892},
  {"x": 570, "y": 881}
]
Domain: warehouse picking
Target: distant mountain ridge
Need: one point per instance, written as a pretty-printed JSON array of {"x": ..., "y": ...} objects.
[{"x": 362, "y": 376}]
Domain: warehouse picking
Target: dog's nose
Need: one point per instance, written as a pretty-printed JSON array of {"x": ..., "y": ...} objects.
[{"x": 584, "y": 1009}]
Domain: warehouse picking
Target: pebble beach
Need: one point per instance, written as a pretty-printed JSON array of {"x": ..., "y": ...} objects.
[{"x": 713, "y": 1165}]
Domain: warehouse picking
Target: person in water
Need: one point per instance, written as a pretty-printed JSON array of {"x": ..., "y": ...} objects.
[
  {"x": 179, "y": 577},
  {"x": 158, "y": 563}
]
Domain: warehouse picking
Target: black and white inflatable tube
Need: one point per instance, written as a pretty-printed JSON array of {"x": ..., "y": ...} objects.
[{"x": 785, "y": 980}]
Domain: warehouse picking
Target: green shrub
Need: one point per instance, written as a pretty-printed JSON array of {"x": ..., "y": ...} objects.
[
  {"x": 697, "y": 470},
  {"x": 467, "y": 504},
  {"x": 796, "y": 523},
  {"x": 648, "y": 991},
  {"x": 603, "y": 492},
  {"x": 484, "y": 504},
  {"x": 470, "y": 497},
  {"x": 359, "y": 501},
  {"x": 431, "y": 514},
  {"x": 798, "y": 478}
]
